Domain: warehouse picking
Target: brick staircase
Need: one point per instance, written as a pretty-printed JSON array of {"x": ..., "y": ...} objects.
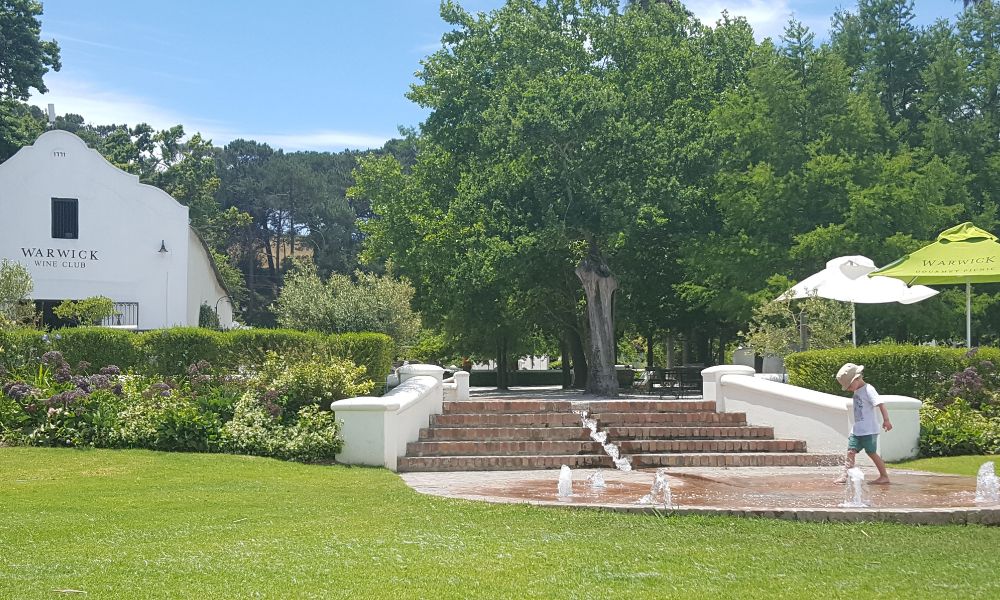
[{"x": 498, "y": 434}]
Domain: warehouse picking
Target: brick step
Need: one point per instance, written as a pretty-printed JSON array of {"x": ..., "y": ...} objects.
[
  {"x": 757, "y": 459},
  {"x": 604, "y": 420},
  {"x": 690, "y": 419},
  {"x": 555, "y": 406},
  {"x": 628, "y": 447},
  {"x": 579, "y": 433},
  {"x": 582, "y": 461}
]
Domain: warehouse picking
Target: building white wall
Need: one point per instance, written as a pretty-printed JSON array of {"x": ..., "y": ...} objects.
[
  {"x": 122, "y": 224},
  {"x": 204, "y": 286}
]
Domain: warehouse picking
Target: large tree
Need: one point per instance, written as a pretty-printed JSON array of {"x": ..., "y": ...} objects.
[
  {"x": 24, "y": 57},
  {"x": 24, "y": 60},
  {"x": 553, "y": 127}
]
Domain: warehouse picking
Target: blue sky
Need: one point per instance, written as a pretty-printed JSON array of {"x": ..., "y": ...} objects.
[{"x": 317, "y": 75}]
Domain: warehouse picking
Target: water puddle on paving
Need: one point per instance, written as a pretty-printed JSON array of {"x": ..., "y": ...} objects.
[{"x": 734, "y": 490}]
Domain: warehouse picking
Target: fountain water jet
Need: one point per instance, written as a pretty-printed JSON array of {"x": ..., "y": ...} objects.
[
  {"x": 565, "y": 482},
  {"x": 855, "y": 489},
  {"x": 987, "y": 484},
  {"x": 601, "y": 437},
  {"x": 659, "y": 493},
  {"x": 597, "y": 481}
]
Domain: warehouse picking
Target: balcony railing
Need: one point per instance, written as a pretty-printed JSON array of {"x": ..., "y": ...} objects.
[{"x": 126, "y": 316}]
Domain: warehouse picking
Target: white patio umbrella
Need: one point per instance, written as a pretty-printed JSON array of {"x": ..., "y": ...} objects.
[{"x": 844, "y": 280}]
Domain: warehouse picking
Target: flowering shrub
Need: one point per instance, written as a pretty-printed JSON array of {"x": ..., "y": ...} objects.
[
  {"x": 314, "y": 380},
  {"x": 59, "y": 407},
  {"x": 964, "y": 416},
  {"x": 280, "y": 410},
  {"x": 284, "y": 415},
  {"x": 957, "y": 429}
]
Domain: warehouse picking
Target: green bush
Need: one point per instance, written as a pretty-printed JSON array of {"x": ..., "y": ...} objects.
[
  {"x": 318, "y": 380},
  {"x": 251, "y": 346},
  {"x": 483, "y": 378},
  {"x": 172, "y": 351},
  {"x": 207, "y": 317},
  {"x": 99, "y": 346},
  {"x": 957, "y": 429},
  {"x": 20, "y": 349},
  {"x": 374, "y": 351},
  {"x": 917, "y": 371}
]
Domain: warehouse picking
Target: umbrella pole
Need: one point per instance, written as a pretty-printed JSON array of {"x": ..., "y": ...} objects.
[
  {"x": 968, "y": 315},
  {"x": 854, "y": 327}
]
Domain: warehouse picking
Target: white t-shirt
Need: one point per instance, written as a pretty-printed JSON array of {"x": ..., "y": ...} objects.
[{"x": 865, "y": 401}]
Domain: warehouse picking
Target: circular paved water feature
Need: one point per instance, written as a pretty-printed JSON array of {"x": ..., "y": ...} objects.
[{"x": 786, "y": 492}]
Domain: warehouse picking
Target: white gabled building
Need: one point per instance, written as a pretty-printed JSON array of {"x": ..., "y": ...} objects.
[{"x": 85, "y": 228}]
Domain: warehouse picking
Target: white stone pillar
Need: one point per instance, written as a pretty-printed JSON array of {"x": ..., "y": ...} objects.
[
  {"x": 462, "y": 385},
  {"x": 711, "y": 377}
]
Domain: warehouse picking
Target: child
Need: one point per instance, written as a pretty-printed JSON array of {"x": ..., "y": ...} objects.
[{"x": 864, "y": 436}]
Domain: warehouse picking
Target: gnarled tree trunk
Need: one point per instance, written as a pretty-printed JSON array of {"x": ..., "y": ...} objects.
[{"x": 599, "y": 286}]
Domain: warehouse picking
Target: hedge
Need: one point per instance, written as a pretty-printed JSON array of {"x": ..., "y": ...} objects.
[
  {"x": 373, "y": 350},
  {"x": 488, "y": 378},
  {"x": 250, "y": 346},
  {"x": 906, "y": 370},
  {"x": 99, "y": 346},
  {"x": 171, "y": 351}
]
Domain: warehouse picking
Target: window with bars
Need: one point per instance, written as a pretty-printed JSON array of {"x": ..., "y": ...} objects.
[{"x": 65, "y": 218}]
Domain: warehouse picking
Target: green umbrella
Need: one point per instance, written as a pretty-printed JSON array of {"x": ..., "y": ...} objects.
[{"x": 963, "y": 254}]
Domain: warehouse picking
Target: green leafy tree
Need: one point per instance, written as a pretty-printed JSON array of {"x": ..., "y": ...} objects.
[
  {"x": 89, "y": 311},
  {"x": 552, "y": 125},
  {"x": 779, "y": 327},
  {"x": 15, "y": 291},
  {"x": 24, "y": 57},
  {"x": 369, "y": 302},
  {"x": 885, "y": 52},
  {"x": 24, "y": 60}
]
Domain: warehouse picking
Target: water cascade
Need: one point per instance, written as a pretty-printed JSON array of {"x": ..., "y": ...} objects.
[
  {"x": 987, "y": 484},
  {"x": 855, "y": 490},
  {"x": 565, "y": 482},
  {"x": 659, "y": 493},
  {"x": 601, "y": 437}
]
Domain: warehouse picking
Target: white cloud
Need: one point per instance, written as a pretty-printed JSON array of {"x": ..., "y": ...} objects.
[
  {"x": 767, "y": 17},
  {"x": 103, "y": 106},
  {"x": 318, "y": 140}
]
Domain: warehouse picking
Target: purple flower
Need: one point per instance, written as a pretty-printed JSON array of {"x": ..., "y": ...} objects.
[
  {"x": 111, "y": 370},
  {"x": 54, "y": 358},
  {"x": 18, "y": 390},
  {"x": 99, "y": 382},
  {"x": 62, "y": 375},
  {"x": 65, "y": 398}
]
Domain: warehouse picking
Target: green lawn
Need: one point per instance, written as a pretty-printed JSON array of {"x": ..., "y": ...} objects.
[
  {"x": 959, "y": 465},
  {"x": 137, "y": 524}
]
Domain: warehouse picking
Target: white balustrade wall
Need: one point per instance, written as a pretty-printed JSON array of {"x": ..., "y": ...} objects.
[
  {"x": 823, "y": 420},
  {"x": 376, "y": 430}
]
